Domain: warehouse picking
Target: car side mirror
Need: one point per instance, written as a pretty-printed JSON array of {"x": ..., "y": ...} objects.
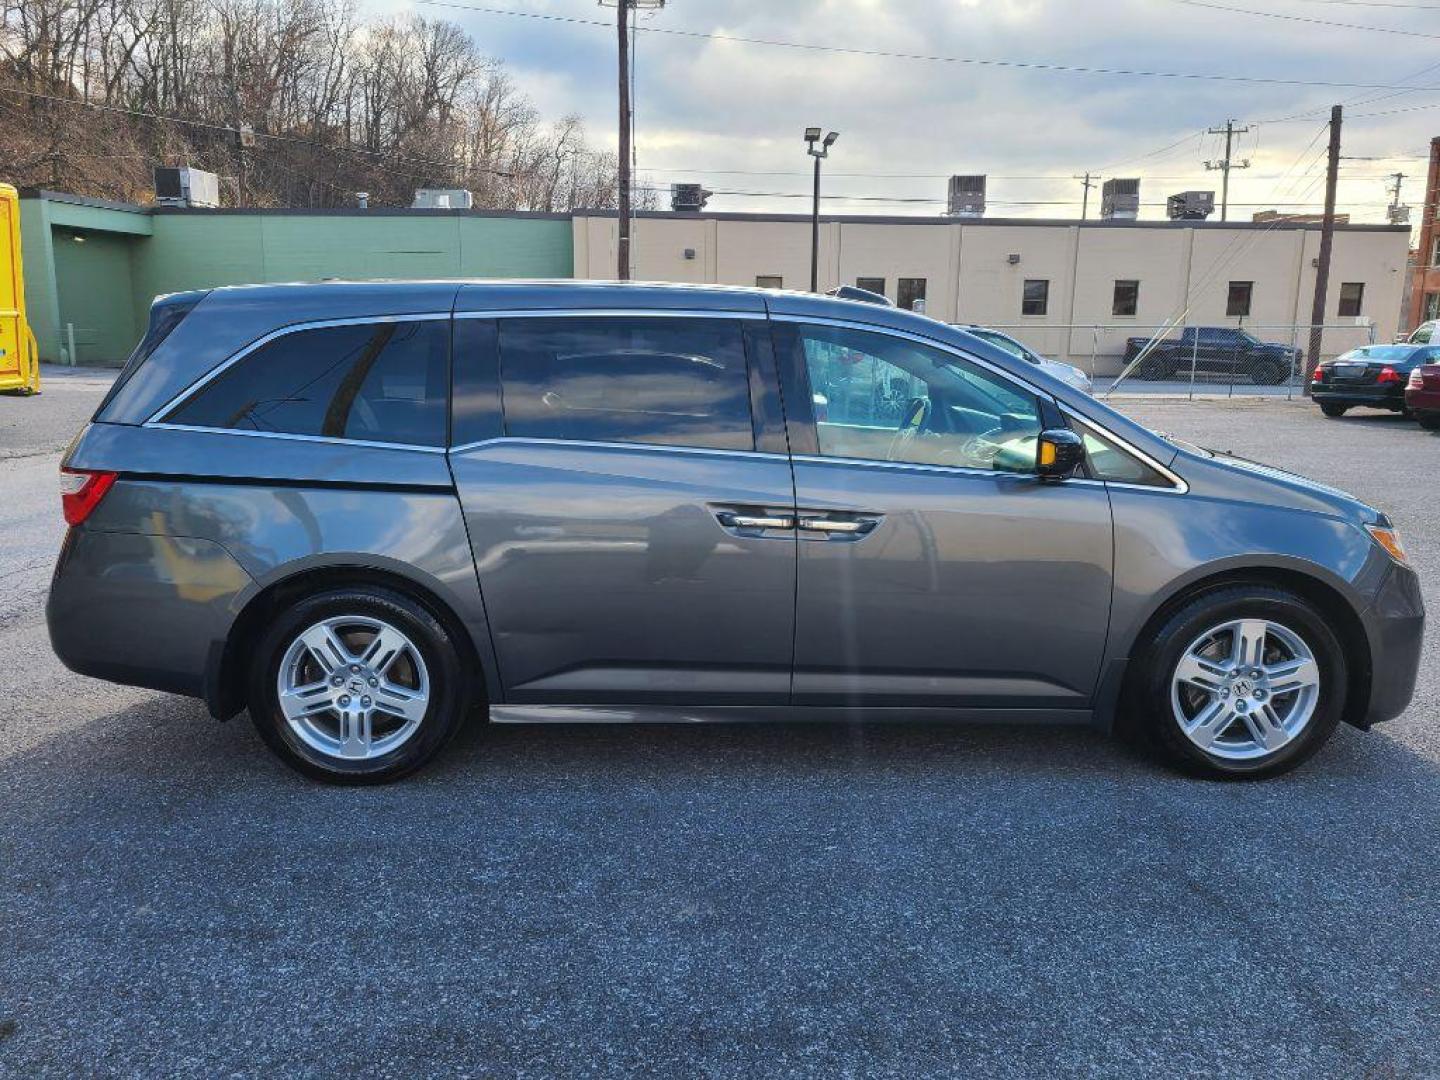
[{"x": 1059, "y": 453}]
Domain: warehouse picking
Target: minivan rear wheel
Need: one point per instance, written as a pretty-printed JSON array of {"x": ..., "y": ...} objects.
[
  {"x": 1242, "y": 682},
  {"x": 357, "y": 685}
]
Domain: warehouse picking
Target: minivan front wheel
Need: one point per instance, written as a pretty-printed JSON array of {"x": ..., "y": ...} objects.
[
  {"x": 1245, "y": 681},
  {"x": 356, "y": 685}
]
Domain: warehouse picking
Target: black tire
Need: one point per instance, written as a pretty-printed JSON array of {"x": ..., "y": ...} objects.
[
  {"x": 445, "y": 678},
  {"x": 1333, "y": 411},
  {"x": 1149, "y": 702},
  {"x": 1430, "y": 421},
  {"x": 1267, "y": 373}
]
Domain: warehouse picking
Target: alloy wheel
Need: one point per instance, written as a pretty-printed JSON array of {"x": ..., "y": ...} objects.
[
  {"x": 353, "y": 687},
  {"x": 1245, "y": 688}
]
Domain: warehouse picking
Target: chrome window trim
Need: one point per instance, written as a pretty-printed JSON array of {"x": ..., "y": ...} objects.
[
  {"x": 588, "y": 444},
  {"x": 958, "y": 470},
  {"x": 613, "y": 313},
  {"x": 921, "y": 339},
  {"x": 1180, "y": 486},
  {"x": 265, "y": 339},
  {"x": 332, "y": 440}
]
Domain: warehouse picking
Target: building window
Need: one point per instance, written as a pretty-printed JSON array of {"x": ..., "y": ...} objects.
[
  {"x": 1036, "y": 299},
  {"x": 908, "y": 290},
  {"x": 1352, "y": 299},
  {"x": 871, "y": 284},
  {"x": 769, "y": 281},
  {"x": 1237, "y": 303},
  {"x": 1432, "y": 306},
  {"x": 1435, "y": 252},
  {"x": 1127, "y": 298}
]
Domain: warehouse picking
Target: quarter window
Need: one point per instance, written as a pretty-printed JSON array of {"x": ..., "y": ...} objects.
[
  {"x": 1036, "y": 298},
  {"x": 882, "y": 398},
  {"x": 1127, "y": 298},
  {"x": 1106, "y": 461},
  {"x": 1237, "y": 301},
  {"x": 663, "y": 381},
  {"x": 380, "y": 382},
  {"x": 1352, "y": 299}
]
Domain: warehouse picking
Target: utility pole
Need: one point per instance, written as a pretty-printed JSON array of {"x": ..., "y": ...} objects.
[
  {"x": 1327, "y": 236},
  {"x": 1087, "y": 184},
  {"x": 1397, "y": 214},
  {"x": 622, "y": 20},
  {"x": 1225, "y": 164}
]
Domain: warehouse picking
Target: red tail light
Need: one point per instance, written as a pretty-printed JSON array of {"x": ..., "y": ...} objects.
[
  {"x": 1388, "y": 375},
  {"x": 1417, "y": 380},
  {"x": 81, "y": 491},
  {"x": 1318, "y": 375}
]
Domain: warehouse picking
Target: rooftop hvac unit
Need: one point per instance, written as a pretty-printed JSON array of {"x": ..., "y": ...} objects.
[
  {"x": 1190, "y": 205},
  {"x": 442, "y": 199},
  {"x": 688, "y": 198},
  {"x": 967, "y": 196},
  {"x": 1120, "y": 200},
  {"x": 186, "y": 187}
]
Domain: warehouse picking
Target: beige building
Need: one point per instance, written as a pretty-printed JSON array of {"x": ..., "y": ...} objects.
[{"x": 1069, "y": 290}]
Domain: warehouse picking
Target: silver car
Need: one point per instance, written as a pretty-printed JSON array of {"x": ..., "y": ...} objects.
[
  {"x": 1067, "y": 373},
  {"x": 366, "y": 511}
]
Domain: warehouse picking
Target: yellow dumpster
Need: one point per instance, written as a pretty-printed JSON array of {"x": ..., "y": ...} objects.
[{"x": 19, "y": 357}]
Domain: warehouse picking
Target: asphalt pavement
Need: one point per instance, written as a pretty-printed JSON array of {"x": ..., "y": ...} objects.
[{"x": 760, "y": 901}]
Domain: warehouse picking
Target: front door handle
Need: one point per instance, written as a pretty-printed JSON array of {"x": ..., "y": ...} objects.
[
  {"x": 829, "y": 525},
  {"x": 753, "y": 521}
]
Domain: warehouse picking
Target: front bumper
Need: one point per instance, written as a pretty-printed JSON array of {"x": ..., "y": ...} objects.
[{"x": 1395, "y": 625}]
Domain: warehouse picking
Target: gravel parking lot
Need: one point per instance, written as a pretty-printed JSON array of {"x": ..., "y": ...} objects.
[{"x": 709, "y": 901}]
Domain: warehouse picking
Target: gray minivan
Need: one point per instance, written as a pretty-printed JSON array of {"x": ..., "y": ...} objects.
[{"x": 364, "y": 511}]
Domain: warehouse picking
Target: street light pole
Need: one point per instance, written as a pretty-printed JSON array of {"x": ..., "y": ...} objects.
[{"x": 812, "y": 136}]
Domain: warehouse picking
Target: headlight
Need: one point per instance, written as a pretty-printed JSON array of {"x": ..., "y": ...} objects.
[{"x": 1389, "y": 539}]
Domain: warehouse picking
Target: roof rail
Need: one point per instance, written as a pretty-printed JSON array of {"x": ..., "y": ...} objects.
[{"x": 853, "y": 292}]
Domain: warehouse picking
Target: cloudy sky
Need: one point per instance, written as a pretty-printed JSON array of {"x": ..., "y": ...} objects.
[{"x": 730, "y": 114}]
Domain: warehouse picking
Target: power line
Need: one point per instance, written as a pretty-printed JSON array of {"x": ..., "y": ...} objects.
[
  {"x": 1024, "y": 65},
  {"x": 1307, "y": 19}
]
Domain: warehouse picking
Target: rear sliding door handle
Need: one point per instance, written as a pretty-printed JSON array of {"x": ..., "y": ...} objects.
[{"x": 827, "y": 525}]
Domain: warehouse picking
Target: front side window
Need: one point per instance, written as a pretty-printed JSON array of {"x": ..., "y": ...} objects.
[
  {"x": 881, "y": 398},
  {"x": 1237, "y": 301},
  {"x": 661, "y": 381},
  {"x": 871, "y": 284},
  {"x": 908, "y": 290},
  {"x": 1036, "y": 298},
  {"x": 1126, "y": 299},
  {"x": 380, "y": 382},
  {"x": 1352, "y": 299}
]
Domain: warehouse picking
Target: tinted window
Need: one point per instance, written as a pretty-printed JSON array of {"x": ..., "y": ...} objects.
[
  {"x": 1352, "y": 298},
  {"x": 382, "y": 382},
  {"x": 882, "y": 398},
  {"x": 671, "y": 382},
  {"x": 1237, "y": 300}
]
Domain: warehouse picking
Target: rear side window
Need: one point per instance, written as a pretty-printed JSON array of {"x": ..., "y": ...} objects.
[
  {"x": 662, "y": 381},
  {"x": 378, "y": 382}
]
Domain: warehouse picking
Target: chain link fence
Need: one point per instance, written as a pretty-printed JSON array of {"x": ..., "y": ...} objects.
[{"x": 1192, "y": 360}]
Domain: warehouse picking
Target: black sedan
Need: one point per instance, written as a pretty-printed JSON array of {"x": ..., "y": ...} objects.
[{"x": 1372, "y": 375}]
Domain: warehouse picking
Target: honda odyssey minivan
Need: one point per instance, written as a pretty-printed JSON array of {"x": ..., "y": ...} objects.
[{"x": 363, "y": 512}]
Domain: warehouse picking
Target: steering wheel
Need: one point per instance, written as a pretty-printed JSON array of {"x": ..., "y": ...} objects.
[{"x": 916, "y": 416}]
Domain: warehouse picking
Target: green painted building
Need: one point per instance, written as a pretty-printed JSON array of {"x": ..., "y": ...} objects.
[{"x": 92, "y": 267}]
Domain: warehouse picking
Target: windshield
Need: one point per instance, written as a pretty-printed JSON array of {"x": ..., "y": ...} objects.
[{"x": 1387, "y": 354}]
